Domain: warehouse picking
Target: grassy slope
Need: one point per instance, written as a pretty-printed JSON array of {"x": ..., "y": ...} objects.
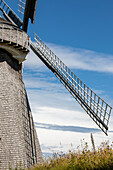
[{"x": 100, "y": 159}]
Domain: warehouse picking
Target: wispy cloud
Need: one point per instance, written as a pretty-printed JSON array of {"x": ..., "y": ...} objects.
[
  {"x": 66, "y": 128},
  {"x": 76, "y": 58},
  {"x": 54, "y": 106},
  {"x": 56, "y": 141}
]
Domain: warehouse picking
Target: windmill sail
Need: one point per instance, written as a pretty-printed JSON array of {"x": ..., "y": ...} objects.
[
  {"x": 29, "y": 12},
  {"x": 96, "y": 108},
  {"x": 7, "y": 13},
  {"x": 21, "y": 6}
]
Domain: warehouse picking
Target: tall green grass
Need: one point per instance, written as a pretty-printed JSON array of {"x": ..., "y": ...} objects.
[
  {"x": 94, "y": 159},
  {"x": 101, "y": 158}
]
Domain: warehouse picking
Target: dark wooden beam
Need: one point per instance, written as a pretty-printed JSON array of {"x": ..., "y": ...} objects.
[{"x": 29, "y": 12}]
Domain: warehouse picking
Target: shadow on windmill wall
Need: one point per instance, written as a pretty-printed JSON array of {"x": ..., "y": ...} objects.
[
  {"x": 33, "y": 140},
  {"x": 10, "y": 60}
]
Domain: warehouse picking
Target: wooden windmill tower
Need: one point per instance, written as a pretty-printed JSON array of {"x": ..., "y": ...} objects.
[
  {"x": 18, "y": 140},
  {"x": 19, "y": 145}
]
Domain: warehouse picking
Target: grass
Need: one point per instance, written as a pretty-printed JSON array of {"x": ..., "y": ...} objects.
[{"x": 85, "y": 159}]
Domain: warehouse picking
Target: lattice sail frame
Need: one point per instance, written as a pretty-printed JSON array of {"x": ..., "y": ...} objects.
[
  {"x": 7, "y": 13},
  {"x": 96, "y": 108},
  {"x": 21, "y": 6}
]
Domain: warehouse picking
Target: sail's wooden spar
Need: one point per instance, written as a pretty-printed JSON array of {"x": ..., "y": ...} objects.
[
  {"x": 29, "y": 12},
  {"x": 7, "y": 13},
  {"x": 96, "y": 108}
]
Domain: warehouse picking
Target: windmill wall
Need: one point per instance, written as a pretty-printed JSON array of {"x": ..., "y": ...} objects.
[{"x": 19, "y": 145}]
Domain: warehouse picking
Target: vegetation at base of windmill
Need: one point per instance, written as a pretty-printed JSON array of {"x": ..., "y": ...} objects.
[{"x": 85, "y": 159}]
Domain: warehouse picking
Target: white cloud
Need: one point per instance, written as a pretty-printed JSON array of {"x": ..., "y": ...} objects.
[
  {"x": 76, "y": 59},
  {"x": 52, "y": 104},
  {"x": 84, "y": 59},
  {"x": 58, "y": 141},
  {"x": 62, "y": 116}
]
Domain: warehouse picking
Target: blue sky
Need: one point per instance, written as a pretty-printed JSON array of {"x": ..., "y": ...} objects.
[
  {"x": 81, "y": 24},
  {"x": 81, "y": 34}
]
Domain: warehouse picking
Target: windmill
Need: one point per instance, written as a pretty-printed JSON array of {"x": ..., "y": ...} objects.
[
  {"x": 19, "y": 145},
  {"x": 93, "y": 105}
]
